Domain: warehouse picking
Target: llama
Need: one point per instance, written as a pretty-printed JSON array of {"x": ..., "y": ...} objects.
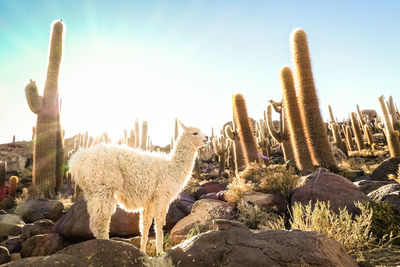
[{"x": 136, "y": 180}]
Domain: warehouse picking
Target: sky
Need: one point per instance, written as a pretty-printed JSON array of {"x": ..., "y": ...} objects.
[{"x": 161, "y": 60}]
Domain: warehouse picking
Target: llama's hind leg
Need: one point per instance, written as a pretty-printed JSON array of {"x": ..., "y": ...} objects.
[
  {"x": 100, "y": 208},
  {"x": 159, "y": 221},
  {"x": 146, "y": 218}
]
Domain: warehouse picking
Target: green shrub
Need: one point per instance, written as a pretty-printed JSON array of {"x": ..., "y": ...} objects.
[{"x": 385, "y": 220}]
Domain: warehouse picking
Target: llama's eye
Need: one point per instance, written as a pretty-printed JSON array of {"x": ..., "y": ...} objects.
[{"x": 195, "y": 133}]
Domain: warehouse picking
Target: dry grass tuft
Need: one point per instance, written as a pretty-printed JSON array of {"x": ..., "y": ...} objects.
[
  {"x": 254, "y": 218},
  {"x": 270, "y": 179}
]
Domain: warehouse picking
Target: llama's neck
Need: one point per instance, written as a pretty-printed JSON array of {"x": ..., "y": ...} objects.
[{"x": 182, "y": 160}]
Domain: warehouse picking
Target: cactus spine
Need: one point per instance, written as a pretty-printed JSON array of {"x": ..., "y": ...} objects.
[
  {"x": 357, "y": 132},
  {"x": 314, "y": 126},
  {"x": 392, "y": 136},
  {"x": 48, "y": 157},
  {"x": 247, "y": 139},
  {"x": 296, "y": 132}
]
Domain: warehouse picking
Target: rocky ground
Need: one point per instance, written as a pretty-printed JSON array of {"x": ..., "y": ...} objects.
[{"x": 202, "y": 227}]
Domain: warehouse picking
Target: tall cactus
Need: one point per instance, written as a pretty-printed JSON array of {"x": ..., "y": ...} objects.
[
  {"x": 282, "y": 136},
  {"x": 143, "y": 145},
  {"x": 314, "y": 126},
  {"x": 247, "y": 138},
  {"x": 48, "y": 151},
  {"x": 392, "y": 136},
  {"x": 3, "y": 168},
  {"x": 137, "y": 134},
  {"x": 335, "y": 128},
  {"x": 296, "y": 132},
  {"x": 357, "y": 132}
]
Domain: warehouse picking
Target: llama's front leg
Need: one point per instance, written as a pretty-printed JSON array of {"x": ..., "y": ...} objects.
[
  {"x": 100, "y": 209},
  {"x": 159, "y": 220},
  {"x": 146, "y": 218}
]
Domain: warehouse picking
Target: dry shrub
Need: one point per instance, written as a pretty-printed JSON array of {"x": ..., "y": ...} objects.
[
  {"x": 270, "y": 179},
  {"x": 353, "y": 234},
  {"x": 254, "y": 218},
  {"x": 361, "y": 235}
]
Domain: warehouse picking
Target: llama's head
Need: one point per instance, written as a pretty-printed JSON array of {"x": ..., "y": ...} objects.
[{"x": 194, "y": 135}]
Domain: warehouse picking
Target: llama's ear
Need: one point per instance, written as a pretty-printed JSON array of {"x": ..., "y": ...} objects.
[{"x": 183, "y": 126}]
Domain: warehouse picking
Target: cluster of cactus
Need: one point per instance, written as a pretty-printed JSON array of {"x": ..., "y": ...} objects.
[
  {"x": 391, "y": 125},
  {"x": 5, "y": 190},
  {"x": 48, "y": 147}
]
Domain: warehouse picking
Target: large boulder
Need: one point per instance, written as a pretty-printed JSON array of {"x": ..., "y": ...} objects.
[
  {"x": 266, "y": 202},
  {"x": 40, "y": 227},
  {"x": 59, "y": 260},
  {"x": 238, "y": 246},
  {"x": 75, "y": 223},
  {"x": 210, "y": 187},
  {"x": 42, "y": 245},
  {"x": 36, "y": 209},
  {"x": 389, "y": 193},
  {"x": 367, "y": 186},
  {"x": 386, "y": 167},
  {"x": 185, "y": 202},
  {"x": 328, "y": 186},
  {"x": 10, "y": 224},
  {"x": 174, "y": 215},
  {"x": 13, "y": 243},
  {"x": 203, "y": 212},
  {"x": 100, "y": 252},
  {"x": 4, "y": 255}
]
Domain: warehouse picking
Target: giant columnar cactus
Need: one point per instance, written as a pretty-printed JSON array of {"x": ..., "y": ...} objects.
[
  {"x": 176, "y": 133},
  {"x": 392, "y": 136},
  {"x": 246, "y": 135},
  {"x": 281, "y": 136},
  {"x": 349, "y": 137},
  {"x": 220, "y": 146},
  {"x": 337, "y": 138},
  {"x": 143, "y": 145},
  {"x": 357, "y": 132},
  {"x": 314, "y": 127},
  {"x": 137, "y": 134},
  {"x": 296, "y": 132},
  {"x": 48, "y": 150}
]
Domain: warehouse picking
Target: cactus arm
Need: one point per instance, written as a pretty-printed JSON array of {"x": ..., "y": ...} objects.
[
  {"x": 275, "y": 134},
  {"x": 360, "y": 115},
  {"x": 331, "y": 114},
  {"x": 35, "y": 101},
  {"x": 387, "y": 122}
]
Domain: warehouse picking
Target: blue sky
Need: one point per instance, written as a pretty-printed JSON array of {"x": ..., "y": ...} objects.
[{"x": 157, "y": 60}]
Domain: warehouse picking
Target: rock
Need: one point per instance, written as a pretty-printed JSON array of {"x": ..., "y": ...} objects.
[
  {"x": 174, "y": 215},
  {"x": 367, "y": 186},
  {"x": 221, "y": 195},
  {"x": 203, "y": 212},
  {"x": 59, "y": 260},
  {"x": 124, "y": 223},
  {"x": 4, "y": 255},
  {"x": 36, "y": 209},
  {"x": 10, "y": 224},
  {"x": 338, "y": 153},
  {"x": 3, "y": 212},
  {"x": 75, "y": 222},
  {"x": 185, "y": 203},
  {"x": 100, "y": 252},
  {"x": 209, "y": 196},
  {"x": 42, "y": 245},
  {"x": 266, "y": 202},
  {"x": 238, "y": 246},
  {"x": 223, "y": 225},
  {"x": 13, "y": 243},
  {"x": 15, "y": 256},
  {"x": 327, "y": 186},
  {"x": 151, "y": 243},
  {"x": 210, "y": 187},
  {"x": 388, "y": 166},
  {"x": 43, "y": 226},
  {"x": 389, "y": 193}
]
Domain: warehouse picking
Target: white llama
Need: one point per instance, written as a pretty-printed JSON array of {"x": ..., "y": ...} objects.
[{"x": 136, "y": 180}]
